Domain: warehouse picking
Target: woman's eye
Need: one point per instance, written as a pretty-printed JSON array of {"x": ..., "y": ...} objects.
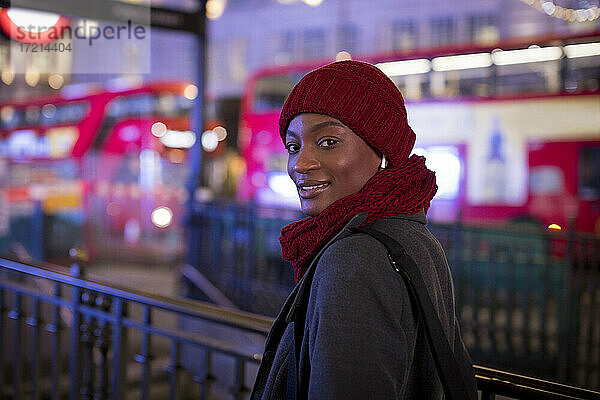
[
  {"x": 292, "y": 147},
  {"x": 328, "y": 142}
]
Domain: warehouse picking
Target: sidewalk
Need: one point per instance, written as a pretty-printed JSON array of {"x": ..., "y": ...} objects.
[{"x": 158, "y": 279}]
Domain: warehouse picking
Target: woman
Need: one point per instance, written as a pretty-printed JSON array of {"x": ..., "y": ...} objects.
[{"x": 349, "y": 330}]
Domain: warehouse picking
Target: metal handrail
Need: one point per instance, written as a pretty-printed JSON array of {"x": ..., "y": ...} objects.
[
  {"x": 492, "y": 381},
  {"x": 104, "y": 318},
  {"x": 239, "y": 319}
]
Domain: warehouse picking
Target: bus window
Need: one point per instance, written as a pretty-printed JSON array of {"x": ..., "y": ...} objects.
[
  {"x": 72, "y": 112},
  {"x": 538, "y": 77},
  {"x": 589, "y": 173},
  {"x": 582, "y": 73},
  {"x": 271, "y": 91},
  {"x": 129, "y": 106},
  {"x": 546, "y": 180},
  {"x": 32, "y": 115},
  {"x": 49, "y": 114}
]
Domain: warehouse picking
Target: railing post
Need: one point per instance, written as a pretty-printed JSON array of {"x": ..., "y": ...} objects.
[
  {"x": 240, "y": 389},
  {"x": 2, "y": 326},
  {"x": 119, "y": 345},
  {"x": 145, "y": 357},
  {"x": 487, "y": 395},
  {"x": 54, "y": 329},
  {"x": 250, "y": 261},
  {"x": 34, "y": 322},
  {"x": 174, "y": 370},
  {"x": 87, "y": 346},
  {"x": 75, "y": 344},
  {"x": 102, "y": 336},
  {"x": 208, "y": 378},
  {"x": 456, "y": 267},
  {"x": 16, "y": 315},
  {"x": 566, "y": 313},
  {"x": 37, "y": 231}
]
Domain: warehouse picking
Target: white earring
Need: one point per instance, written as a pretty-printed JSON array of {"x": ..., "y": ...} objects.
[{"x": 383, "y": 162}]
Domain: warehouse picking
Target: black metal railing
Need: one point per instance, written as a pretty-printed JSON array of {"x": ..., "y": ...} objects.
[
  {"x": 492, "y": 382},
  {"x": 236, "y": 247},
  {"x": 63, "y": 336},
  {"x": 528, "y": 299}
]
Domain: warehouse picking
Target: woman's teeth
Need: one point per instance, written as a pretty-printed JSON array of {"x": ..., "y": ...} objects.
[{"x": 313, "y": 187}]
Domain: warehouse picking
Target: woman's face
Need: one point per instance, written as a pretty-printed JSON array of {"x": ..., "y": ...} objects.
[{"x": 327, "y": 161}]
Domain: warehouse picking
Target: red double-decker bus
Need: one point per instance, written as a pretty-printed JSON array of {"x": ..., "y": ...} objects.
[
  {"x": 106, "y": 166},
  {"x": 512, "y": 129}
]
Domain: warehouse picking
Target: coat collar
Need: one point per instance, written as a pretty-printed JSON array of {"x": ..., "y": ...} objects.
[{"x": 418, "y": 217}]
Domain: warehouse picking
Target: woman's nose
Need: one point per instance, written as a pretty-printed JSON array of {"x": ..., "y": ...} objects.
[{"x": 305, "y": 161}]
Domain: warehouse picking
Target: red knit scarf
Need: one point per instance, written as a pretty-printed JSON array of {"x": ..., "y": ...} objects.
[{"x": 395, "y": 190}]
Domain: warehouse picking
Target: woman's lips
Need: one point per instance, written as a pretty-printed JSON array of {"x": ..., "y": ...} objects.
[{"x": 308, "y": 191}]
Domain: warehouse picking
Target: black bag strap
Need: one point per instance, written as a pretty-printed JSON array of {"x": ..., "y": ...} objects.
[{"x": 448, "y": 368}]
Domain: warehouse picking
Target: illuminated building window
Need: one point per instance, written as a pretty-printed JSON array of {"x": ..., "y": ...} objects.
[
  {"x": 347, "y": 38},
  {"x": 443, "y": 31},
  {"x": 482, "y": 28},
  {"x": 313, "y": 43},
  {"x": 403, "y": 35},
  {"x": 286, "y": 52}
]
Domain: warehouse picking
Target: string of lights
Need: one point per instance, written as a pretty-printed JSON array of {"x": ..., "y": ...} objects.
[{"x": 567, "y": 14}]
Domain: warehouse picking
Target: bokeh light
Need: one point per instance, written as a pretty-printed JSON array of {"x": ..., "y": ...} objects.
[
  {"x": 190, "y": 92},
  {"x": 313, "y": 3},
  {"x": 32, "y": 77},
  {"x": 49, "y": 110},
  {"x": 220, "y": 132},
  {"x": 8, "y": 76},
  {"x": 215, "y": 8},
  {"x": 7, "y": 113},
  {"x": 56, "y": 81},
  {"x": 162, "y": 217},
  {"x": 159, "y": 129},
  {"x": 209, "y": 140}
]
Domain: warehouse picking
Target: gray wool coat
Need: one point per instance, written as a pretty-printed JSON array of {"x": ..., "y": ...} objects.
[{"x": 351, "y": 316}]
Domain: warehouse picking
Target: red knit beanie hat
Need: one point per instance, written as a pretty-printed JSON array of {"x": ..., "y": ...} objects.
[{"x": 363, "y": 98}]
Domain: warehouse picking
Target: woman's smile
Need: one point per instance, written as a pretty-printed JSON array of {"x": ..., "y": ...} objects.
[{"x": 311, "y": 189}]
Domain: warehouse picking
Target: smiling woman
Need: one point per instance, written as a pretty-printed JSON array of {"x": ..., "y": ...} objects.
[{"x": 350, "y": 330}]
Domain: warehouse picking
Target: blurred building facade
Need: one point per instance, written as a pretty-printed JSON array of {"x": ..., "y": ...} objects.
[
  {"x": 245, "y": 35},
  {"x": 251, "y": 34},
  {"x": 171, "y": 55}
]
